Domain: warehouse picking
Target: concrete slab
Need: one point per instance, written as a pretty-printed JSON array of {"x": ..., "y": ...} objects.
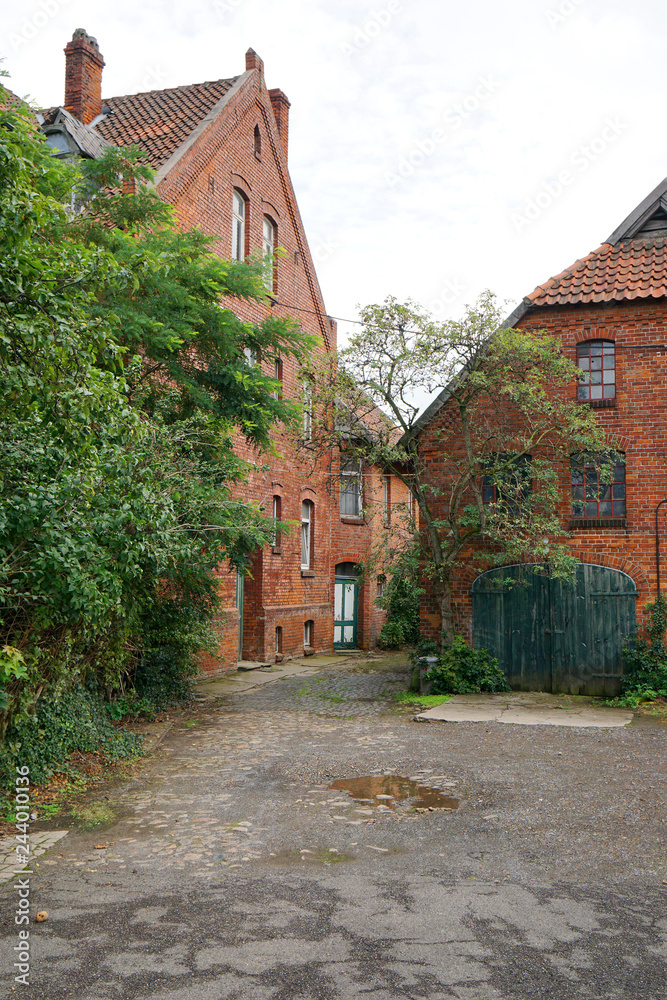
[
  {"x": 39, "y": 842},
  {"x": 529, "y": 709},
  {"x": 208, "y": 689}
]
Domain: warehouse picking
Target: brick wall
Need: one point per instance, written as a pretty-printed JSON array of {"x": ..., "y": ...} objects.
[
  {"x": 200, "y": 184},
  {"x": 635, "y": 425}
]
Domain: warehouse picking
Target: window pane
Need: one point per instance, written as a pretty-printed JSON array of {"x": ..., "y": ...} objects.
[
  {"x": 619, "y": 473},
  {"x": 578, "y": 510},
  {"x": 577, "y": 493},
  {"x": 619, "y": 508},
  {"x": 591, "y": 510},
  {"x": 577, "y": 475},
  {"x": 609, "y": 360},
  {"x": 610, "y": 392},
  {"x": 596, "y": 348},
  {"x": 583, "y": 350},
  {"x": 605, "y": 509},
  {"x": 596, "y": 392},
  {"x": 488, "y": 494}
]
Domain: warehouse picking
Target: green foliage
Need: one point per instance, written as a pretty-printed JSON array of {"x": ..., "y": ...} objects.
[
  {"x": 123, "y": 380},
  {"x": 645, "y": 660},
  {"x": 463, "y": 670},
  {"x": 401, "y": 601},
  {"x": 78, "y": 720}
]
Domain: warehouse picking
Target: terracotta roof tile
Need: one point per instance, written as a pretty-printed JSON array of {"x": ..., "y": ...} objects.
[
  {"x": 159, "y": 121},
  {"x": 632, "y": 269}
]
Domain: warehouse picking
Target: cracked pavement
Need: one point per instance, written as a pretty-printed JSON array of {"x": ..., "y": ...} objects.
[{"x": 233, "y": 870}]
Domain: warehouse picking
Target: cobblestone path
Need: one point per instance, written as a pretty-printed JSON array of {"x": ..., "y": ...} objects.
[{"x": 232, "y": 868}]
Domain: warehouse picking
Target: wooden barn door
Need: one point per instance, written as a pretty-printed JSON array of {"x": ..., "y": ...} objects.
[{"x": 554, "y": 635}]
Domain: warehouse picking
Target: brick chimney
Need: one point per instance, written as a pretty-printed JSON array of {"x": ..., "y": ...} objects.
[
  {"x": 281, "y": 107},
  {"x": 83, "y": 77},
  {"x": 253, "y": 61}
]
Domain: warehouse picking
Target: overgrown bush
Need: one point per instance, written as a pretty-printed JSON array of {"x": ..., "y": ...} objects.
[
  {"x": 462, "y": 670},
  {"x": 645, "y": 660},
  {"x": 401, "y": 601},
  {"x": 79, "y": 720}
]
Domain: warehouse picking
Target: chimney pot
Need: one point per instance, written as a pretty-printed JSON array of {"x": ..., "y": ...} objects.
[{"x": 83, "y": 76}]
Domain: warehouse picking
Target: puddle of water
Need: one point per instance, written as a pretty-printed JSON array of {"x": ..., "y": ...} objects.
[{"x": 386, "y": 790}]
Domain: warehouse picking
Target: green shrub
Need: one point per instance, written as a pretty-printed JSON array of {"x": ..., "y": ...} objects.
[
  {"x": 463, "y": 670},
  {"x": 401, "y": 602},
  {"x": 78, "y": 720},
  {"x": 645, "y": 660}
]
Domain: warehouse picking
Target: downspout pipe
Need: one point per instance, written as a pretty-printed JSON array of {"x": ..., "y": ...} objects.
[{"x": 657, "y": 546}]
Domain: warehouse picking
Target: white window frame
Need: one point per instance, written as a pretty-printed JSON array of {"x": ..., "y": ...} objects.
[
  {"x": 238, "y": 225},
  {"x": 269, "y": 248},
  {"x": 351, "y": 492},
  {"x": 307, "y": 411},
  {"x": 275, "y": 514},
  {"x": 306, "y": 534},
  {"x": 308, "y": 633}
]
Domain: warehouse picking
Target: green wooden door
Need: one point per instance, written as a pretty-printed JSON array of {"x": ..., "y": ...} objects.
[
  {"x": 346, "y": 599},
  {"x": 554, "y": 635}
]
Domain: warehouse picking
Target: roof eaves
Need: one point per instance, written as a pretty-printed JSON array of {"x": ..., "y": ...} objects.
[
  {"x": 638, "y": 216},
  {"x": 201, "y": 127}
]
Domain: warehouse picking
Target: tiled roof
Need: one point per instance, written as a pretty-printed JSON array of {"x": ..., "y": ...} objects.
[
  {"x": 631, "y": 269},
  {"x": 159, "y": 121}
]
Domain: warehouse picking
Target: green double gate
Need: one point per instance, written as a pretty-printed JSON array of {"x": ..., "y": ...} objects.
[{"x": 555, "y": 635}]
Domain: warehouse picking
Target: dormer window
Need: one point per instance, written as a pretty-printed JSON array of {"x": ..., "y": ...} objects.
[{"x": 238, "y": 226}]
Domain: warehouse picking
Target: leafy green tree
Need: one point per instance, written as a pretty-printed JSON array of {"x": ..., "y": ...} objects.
[
  {"x": 124, "y": 380},
  {"x": 506, "y": 403}
]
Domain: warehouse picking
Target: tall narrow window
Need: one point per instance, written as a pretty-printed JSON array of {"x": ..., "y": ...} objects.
[
  {"x": 411, "y": 502},
  {"x": 386, "y": 510},
  {"x": 306, "y": 534},
  {"x": 278, "y": 376},
  {"x": 276, "y": 515},
  {"x": 307, "y": 411},
  {"x": 257, "y": 142},
  {"x": 596, "y": 361},
  {"x": 238, "y": 226},
  {"x": 350, "y": 486},
  {"x": 268, "y": 250},
  {"x": 308, "y": 630},
  {"x": 598, "y": 486},
  {"x": 279, "y": 638}
]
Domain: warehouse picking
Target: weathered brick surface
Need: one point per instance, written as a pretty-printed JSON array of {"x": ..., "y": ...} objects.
[
  {"x": 199, "y": 182},
  {"x": 636, "y": 425}
]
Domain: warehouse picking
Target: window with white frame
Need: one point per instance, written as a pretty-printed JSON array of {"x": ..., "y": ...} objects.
[
  {"x": 268, "y": 250},
  {"x": 307, "y": 410},
  {"x": 308, "y": 629},
  {"x": 238, "y": 226},
  {"x": 276, "y": 514},
  {"x": 386, "y": 499},
  {"x": 350, "y": 486},
  {"x": 306, "y": 534}
]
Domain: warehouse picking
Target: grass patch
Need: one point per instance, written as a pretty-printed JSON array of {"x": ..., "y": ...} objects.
[
  {"x": 427, "y": 700},
  {"x": 89, "y": 817}
]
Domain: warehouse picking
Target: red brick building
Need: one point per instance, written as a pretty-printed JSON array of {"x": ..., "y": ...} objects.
[
  {"x": 220, "y": 152},
  {"x": 610, "y": 311}
]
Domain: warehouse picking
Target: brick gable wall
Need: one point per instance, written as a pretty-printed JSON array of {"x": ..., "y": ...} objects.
[{"x": 636, "y": 425}]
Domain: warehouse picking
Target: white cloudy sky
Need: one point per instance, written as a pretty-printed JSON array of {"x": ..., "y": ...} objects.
[{"x": 421, "y": 132}]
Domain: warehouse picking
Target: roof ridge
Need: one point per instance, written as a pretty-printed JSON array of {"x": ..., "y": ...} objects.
[{"x": 166, "y": 90}]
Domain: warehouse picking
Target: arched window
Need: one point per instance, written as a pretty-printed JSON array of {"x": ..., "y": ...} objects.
[
  {"x": 257, "y": 142},
  {"x": 276, "y": 513},
  {"x": 239, "y": 214},
  {"x": 596, "y": 361},
  {"x": 268, "y": 250},
  {"x": 307, "y": 534}
]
